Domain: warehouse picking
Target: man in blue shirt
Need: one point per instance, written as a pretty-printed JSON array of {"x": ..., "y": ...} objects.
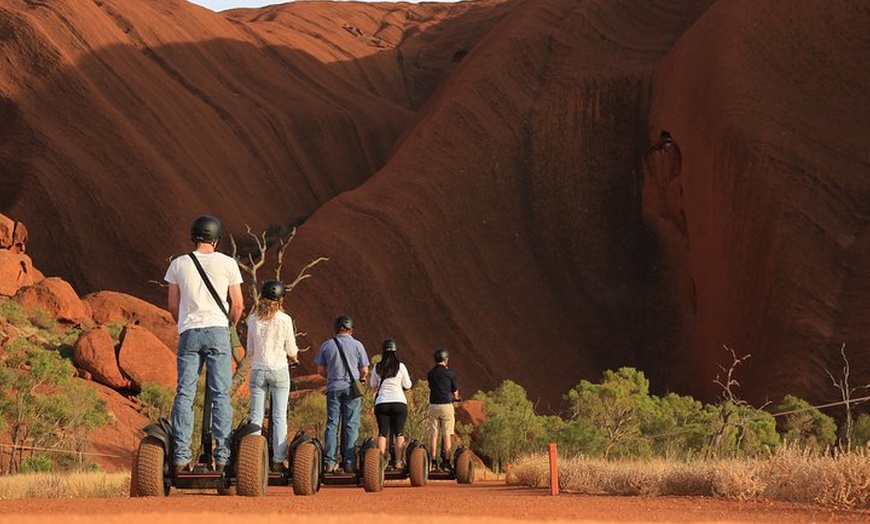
[{"x": 341, "y": 406}]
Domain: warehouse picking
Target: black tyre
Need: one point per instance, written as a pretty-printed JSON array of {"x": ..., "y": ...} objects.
[
  {"x": 252, "y": 466},
  {"x": 465, "y": 467},
  {"x": 306, "y": 469},
  {"x": 148, "y": 478},
  {"x": 374, "y": 464},
  {"x": 418, "y": 466}
]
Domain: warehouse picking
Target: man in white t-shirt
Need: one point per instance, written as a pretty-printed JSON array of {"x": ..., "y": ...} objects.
[{"x": 204, "y": 338}]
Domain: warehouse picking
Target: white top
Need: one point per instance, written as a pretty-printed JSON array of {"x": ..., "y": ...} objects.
[
  {"x": 271, "y": 341},
  {"x": 196, "y": 307},
  {"x": 393, "y": 388}
]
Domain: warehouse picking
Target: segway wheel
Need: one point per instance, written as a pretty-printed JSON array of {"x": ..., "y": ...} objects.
[
  {"x": 465, "y": 467},
  {"x": 148, "y": 478},
  {"x": 253, "y": 466},
  {"x": 306, "y": 469},
  {"x": 418, "y": 466},
  {"x": 374, "y": 464}
]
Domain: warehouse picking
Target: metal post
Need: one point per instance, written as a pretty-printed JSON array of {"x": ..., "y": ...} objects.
[{"x": 554, "y": 470}]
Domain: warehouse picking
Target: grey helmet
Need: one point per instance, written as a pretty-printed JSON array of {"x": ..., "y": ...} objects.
[
  {"x": 440, "y": 355},
  {"x": 207, "y": 229},
  {"x": 273, "y": 290},
  {"x": 343, "y": 322}
]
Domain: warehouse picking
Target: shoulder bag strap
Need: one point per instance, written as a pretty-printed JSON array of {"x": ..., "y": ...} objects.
[
  {"x": 343, "y": 358},
  {"x": 209, "y": 286}
]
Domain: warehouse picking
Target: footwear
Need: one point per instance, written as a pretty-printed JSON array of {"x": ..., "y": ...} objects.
[
  {"x": 278, "y": 467},
  {"x": 179, "y": 468},
  {"x": 331, "y": 469},
  {"x": 349, "y": 469},
  {"x": 219, "y": 468},
  {"x": 400, "y": 465}
]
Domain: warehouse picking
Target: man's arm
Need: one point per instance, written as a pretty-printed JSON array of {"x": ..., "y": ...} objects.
[
  {"x": 173, "y": 299},
  {"x": 321, "y": 370},
  {"x": 237, "y": 303},
  {"x": 363, "y": 373}
]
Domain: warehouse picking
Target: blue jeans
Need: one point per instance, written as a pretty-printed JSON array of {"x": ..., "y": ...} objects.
[
  {"x": 340, "y": 407},
  {"x": 198, "y": 347},
  {"x": 277, "y": 382}
]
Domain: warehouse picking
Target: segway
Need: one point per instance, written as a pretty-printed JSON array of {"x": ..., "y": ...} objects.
[
  {"x": 304, "y": 456},
  {"x": 308, "y": 473},
  {"x": 247, "y": 470},
  {"x": 416, "y": 467},
  {"x": 460, "y": 469}
]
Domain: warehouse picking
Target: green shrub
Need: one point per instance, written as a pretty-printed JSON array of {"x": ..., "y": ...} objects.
[
  {"x": 42, "y": 319},
  {"x": 11, "y": 312},
  {"x": 156, "y": 400},
  {"x": 35, "y": 464}
]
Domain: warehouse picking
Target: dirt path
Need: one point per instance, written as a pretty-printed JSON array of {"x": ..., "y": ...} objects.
[{"x": 439, "y": 502}]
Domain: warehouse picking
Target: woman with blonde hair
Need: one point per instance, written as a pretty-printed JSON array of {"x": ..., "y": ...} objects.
[{"x": 272, "y": 349}]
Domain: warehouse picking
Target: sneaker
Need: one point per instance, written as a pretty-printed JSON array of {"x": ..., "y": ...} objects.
[
  {"x": 349, "y": 469},
  {"x": 278, "y": 467},
  {"x": 219, "y": 468},
  {"x": 180, "y": 468},
  {"x": 400, "y": 465},
  {"x": 331, "y": 469}
]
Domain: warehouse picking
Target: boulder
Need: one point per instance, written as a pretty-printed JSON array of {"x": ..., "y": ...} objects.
[
  {"x": 94, "y": 353},
  {"x": 145, "y": 358},
  {"x": 57, "y": 298},
  {"x": 13, "y": 235},
  {"x": 111, "y": 306},
  {"x": 16, "y": 271}
]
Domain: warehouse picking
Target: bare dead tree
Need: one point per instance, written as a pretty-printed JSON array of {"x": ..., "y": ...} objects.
[
  {"x": 255, "y": 261},
  {"x": 729, "y": 407},
  {"x": 846, "y": 393}
]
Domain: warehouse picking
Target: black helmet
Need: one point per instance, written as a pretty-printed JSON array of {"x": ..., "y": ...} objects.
[
  {"x": 343, "y": 322},
  {"x": 388, "y": 345},
  {"x": 206, "y": 229},
  {"x": 440, "y": 355},
  {"x": 273, "y": 290}
]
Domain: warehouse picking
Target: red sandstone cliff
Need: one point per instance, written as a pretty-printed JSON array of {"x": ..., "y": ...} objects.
[{"x": 479, "y": 174}]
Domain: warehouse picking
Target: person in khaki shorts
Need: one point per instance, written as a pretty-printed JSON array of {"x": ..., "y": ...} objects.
[{"x": 443, "y": 392}]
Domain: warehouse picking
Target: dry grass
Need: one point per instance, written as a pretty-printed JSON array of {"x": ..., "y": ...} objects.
[
  {"x": 792, "y": 475},
  {"x": 65, "y": 485}
]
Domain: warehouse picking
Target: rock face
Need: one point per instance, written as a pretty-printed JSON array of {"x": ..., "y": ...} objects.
[
  {"x": 144, "y": 358},
  {"x": 94, "y": 352},
  {"x": 110, "y": 306},
  {"x": 16, "y": 268},
  {"x": 487, "y": 176},
  {"x": 56, "y": 297}
]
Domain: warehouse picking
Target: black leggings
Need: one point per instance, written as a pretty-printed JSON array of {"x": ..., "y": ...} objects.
[{"x": 391, "y": 416}]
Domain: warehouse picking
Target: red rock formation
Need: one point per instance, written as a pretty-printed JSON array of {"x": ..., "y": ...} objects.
[
  {"x": 94, "y": 352},
  {"x": 113, "y": 444},
  {"x": 56, "y": 297},
  {"x": 16, "y": 271},
  {"x": 110, "y": 306},
  {"x": 144, "y": 358},
  {"x": 16, "y": 268},
  {"x": 505, "y": 201}
]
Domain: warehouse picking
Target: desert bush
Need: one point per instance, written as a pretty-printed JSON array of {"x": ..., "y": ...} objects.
[
  {"x": 42, "y": 319},
  {"x": 805, "y": 425},
  {"x": 308, "y": 413},
  {"x": 49, "y": 409},
  {"x": 64, "y": 485},
  {"x": 156, "y": 400},
  {"x": 35, "y": 464},
  {"x": 511, "y": 427},
  {"x": 791, "y": 474},
  {"x": 12, "y": 312}
]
